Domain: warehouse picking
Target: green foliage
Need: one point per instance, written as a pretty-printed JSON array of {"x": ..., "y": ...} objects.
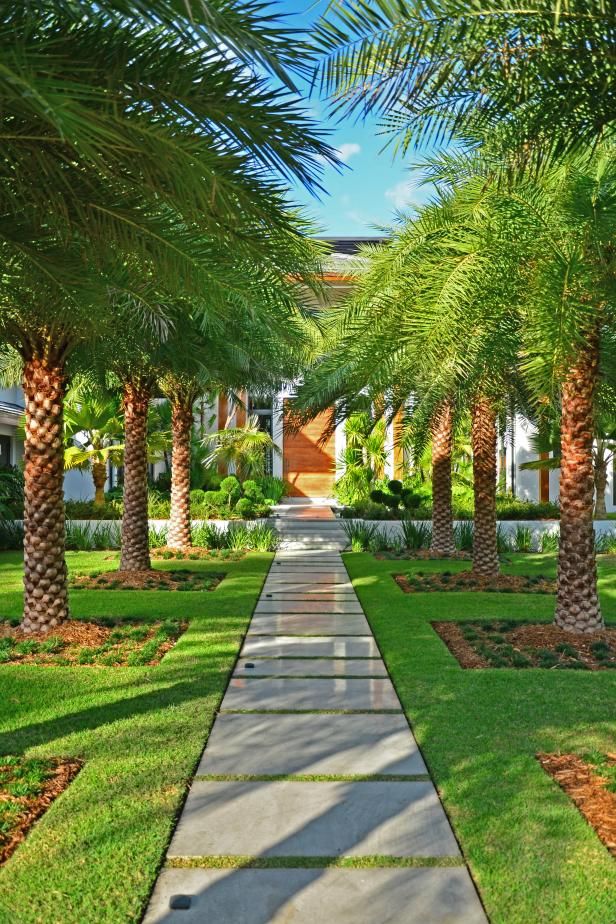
[
  {"x": 605, "y": 543},
  {"x": 230, "y": 485},
  {"x": 416, "y": 535},
  {"x": 88, "y": 510},
  {"x": 463, "y": 536},
  {"x": 245, "y": 508},
  {"x": 157, "y": 537},
  {"x": 11, "y": 535},
  {"x": 11, "y": 492},
  {"x": 549, "y": 541},
  {"x": 273, "y": 488},
  {"x": 159, "y": 505},
  {"x": 360, "y": 535},
  {"x": 92, "y": 537}
]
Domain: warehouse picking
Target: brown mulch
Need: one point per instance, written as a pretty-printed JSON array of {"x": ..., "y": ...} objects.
[
  {"x": 136, "y": 580},
  {"x": 424, "y": 555},
  {"x": 76, "y": 636},
  {"x": 64, "y": 771},
  {"x": 524, "y": 637},
  {"x": 195, "y": 553},
  {"x": 467, "y": 581},
  {"x": 82, "y": 634},
  {"x": 586, "y": 787}
]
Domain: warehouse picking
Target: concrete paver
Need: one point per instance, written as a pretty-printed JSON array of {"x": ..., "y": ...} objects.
[
  {"x": 311, "y": 744},
  {"x": 309, "y": 648},
  {"x": 268, "y": 693}
]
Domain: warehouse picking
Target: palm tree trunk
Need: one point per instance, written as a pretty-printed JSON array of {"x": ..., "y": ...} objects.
[
  {"x": 99, "y": 477},
  {"x": 135, "y": 554},
  {"x": 577, "y": 602},
  {"x": 600, "y": 478},
  {"x": 45, "y": 577},
  {"x": 181, "y": 425},
  {"x": 485, "y": 549},
  {"x": 442, "y": 518}
]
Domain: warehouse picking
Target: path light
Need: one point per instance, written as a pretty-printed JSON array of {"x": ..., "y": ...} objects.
[{"x": 247, "y": 666}]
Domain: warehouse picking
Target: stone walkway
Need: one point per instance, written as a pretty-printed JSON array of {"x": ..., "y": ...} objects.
[{"x": 310, "y": 760}]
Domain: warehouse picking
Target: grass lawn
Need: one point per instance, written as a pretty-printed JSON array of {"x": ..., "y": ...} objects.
[
  {"x": 140, "y": 731},
  {"x": 533, "y": 856}
]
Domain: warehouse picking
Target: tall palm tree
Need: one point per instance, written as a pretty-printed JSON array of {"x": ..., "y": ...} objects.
[
  {"x": 142, "y": 141},
  {"x": 442, "y": 542}
]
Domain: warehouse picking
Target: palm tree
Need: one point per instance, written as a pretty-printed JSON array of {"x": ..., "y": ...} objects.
[
  {"x": 244, "y": 448},
  {"x": 535, "y": 73},
  {"x": 92, "y": 430},
  {"x": 442, "y": 542},
  {"x": 546, "y": 443},
  {"x": 144, "y": 141}
]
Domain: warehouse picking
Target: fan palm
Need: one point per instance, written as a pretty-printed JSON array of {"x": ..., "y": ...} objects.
[
  {"x": 244, "y": 448},
  {"x": 92, "y": 430}
]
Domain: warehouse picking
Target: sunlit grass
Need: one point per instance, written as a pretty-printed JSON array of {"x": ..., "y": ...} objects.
[
  {"x": 139, "y": 730},
  {"x": 533, "y": 856}
]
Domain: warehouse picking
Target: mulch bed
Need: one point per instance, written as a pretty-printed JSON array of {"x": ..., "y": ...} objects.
[
  {"x": 147, "y": 580},
  {"x": 27, "y": 789},
  {"x": 507, "y": 643},
  {"x": 196, "y": 553},
  {"x": 88, "y": 643},
  {"x": 422, "y": 582},
  {"x": 591, "y": 785},
  {"x": 423, "y": 555}
]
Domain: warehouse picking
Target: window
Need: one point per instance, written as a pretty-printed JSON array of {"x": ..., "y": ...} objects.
[
  {"x": 261, "y": 407},
  {"x": 5, "y": 451}
]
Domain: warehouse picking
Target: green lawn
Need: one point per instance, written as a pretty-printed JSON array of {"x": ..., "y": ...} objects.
[
  {"x": 533, "y": 856},
  {"x": 140, "y": 731}
]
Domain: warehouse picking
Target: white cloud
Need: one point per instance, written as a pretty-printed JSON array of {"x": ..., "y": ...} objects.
[
  {"x": 401, "y": 194},
  {"x": 348, "y": 150}
]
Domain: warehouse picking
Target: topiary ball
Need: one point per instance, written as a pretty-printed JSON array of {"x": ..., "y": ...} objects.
[
  {"x": 252, "y": 490},
  {"x": 395, "y": 486},
  {"x": 230, "y": 485},
  {"x": 377, "y": 496},
  {"x": 245, "y": 508},
  {"x": 410, "y": 500}
]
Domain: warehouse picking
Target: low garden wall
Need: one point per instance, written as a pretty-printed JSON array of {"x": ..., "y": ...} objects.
[{"x": 393, "y": 528}]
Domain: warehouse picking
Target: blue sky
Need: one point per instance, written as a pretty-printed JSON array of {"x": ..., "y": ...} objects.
[{"x": 374, "y": 184}]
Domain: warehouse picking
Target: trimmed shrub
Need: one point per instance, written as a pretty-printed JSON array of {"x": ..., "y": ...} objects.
[
  {"x": 394, "y": 486},
  {"x": 252, "y": 491},
  {"x": 245, "y": 508},
  {"x": 86, "y": 510},
  {"x": 197, "y": 496},
  {"x": 230, "y": 486}
]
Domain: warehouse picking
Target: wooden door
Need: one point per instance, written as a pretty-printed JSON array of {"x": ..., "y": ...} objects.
[{"x": 308, "y": 465}]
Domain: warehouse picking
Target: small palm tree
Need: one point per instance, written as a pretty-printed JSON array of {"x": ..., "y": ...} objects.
[
  {"x": 93, "y": 428},
  {"x": 244, "y": 448}
]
